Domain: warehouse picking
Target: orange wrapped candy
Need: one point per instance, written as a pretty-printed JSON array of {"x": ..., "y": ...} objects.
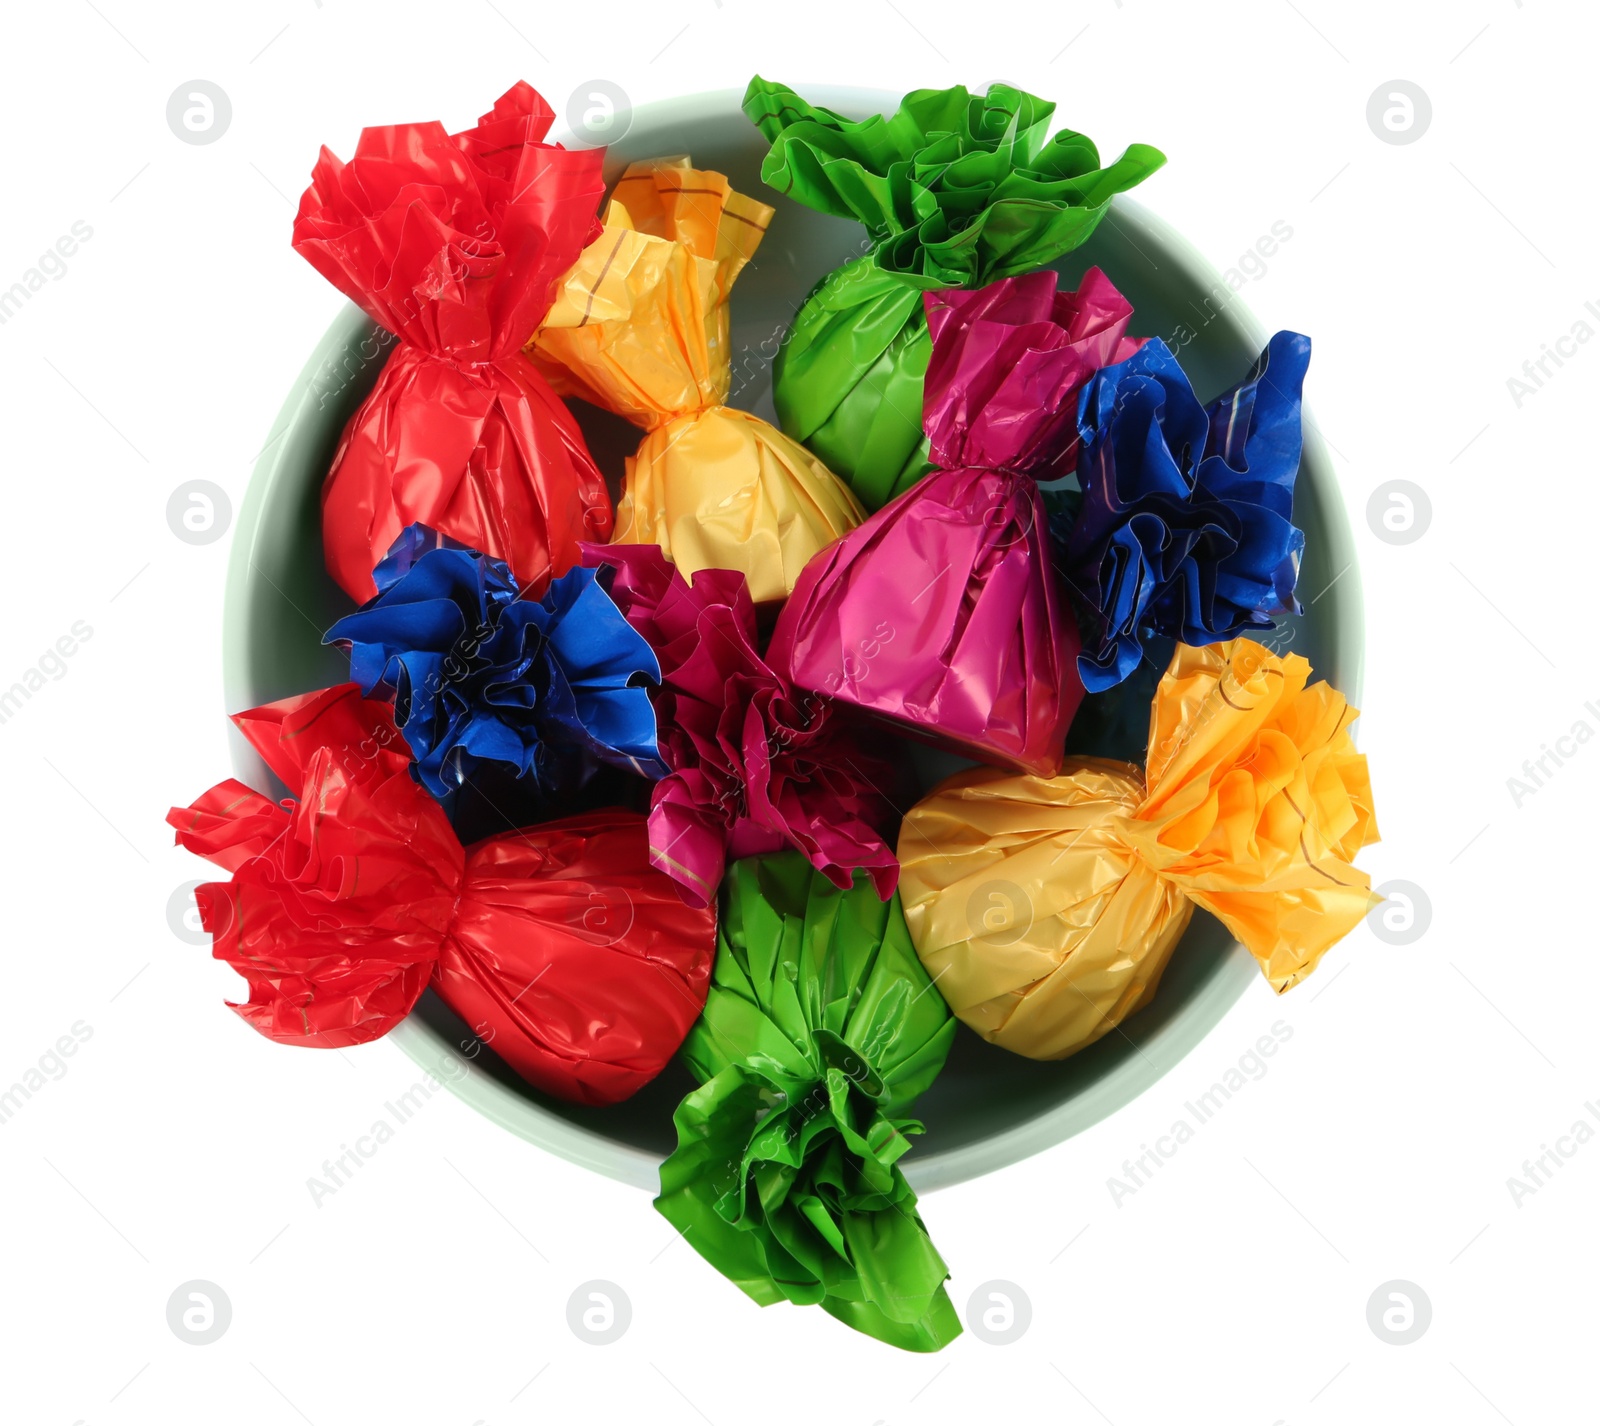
[
  {"x": 1046, "y": 908},
  {"x": 640, "y": 327}
]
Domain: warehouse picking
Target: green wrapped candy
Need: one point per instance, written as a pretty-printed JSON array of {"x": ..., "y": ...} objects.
[
  {"x": 955, "y": 190},
  {"x": 817, "y": 1036}
]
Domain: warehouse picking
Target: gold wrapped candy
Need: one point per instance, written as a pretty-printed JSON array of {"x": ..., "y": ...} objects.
[
  {"x": 640, "y": 327},
  {"x": 1046, "y": 908}
]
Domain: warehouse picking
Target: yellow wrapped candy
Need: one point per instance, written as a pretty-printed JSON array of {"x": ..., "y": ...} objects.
[
  {"x": 1046, "y": 908},
  {"x": 640, "y": 327}
]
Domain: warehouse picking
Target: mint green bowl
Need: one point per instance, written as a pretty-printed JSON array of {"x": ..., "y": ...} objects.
[{"x": 989, "y": 1108}]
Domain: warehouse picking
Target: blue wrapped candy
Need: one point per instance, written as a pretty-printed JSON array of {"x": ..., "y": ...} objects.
[
  {"x": 1186, "y": 527},
  {"x": 550, "y": 687}
]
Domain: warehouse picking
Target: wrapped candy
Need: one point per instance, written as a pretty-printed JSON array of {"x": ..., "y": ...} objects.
[
  {"x": 955, "y": 190},
  {"x": 755, "y": 763},
  {"x": 640, "y": 327},
  {"x": 452, "y": 243},
  {"x": 549, "y": 687},
  {"x": 942, "y": 612},
  {"x": 559, "y": 945},
  {"x": 1046, "y": 908},
  {"x": 818, "y": 1036},
  {"x": 1186, "y": 524}
]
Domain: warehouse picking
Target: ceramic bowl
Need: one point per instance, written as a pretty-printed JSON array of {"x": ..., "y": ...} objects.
[{"x": 989, "y": 1108}]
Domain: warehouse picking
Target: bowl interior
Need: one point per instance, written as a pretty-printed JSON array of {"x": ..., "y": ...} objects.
[{"x": 989, "y": 1107}]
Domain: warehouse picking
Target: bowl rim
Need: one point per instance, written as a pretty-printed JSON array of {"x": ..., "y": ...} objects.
[{"x": 1114, "y": 1090}]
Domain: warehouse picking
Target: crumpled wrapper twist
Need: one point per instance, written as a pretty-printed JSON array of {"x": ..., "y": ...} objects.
[
  {"x": 549, "y": 687},
  {"x": 640, "y": 327},
  {"x": 1186, "y": 526},
  {"x": 561, "y": 948},
  {"x": 942, "y": 612},
  {"x": 955, "y": 190},
  {"x": 1047, "y": 908},
  {"x": 452, "y": 243},
  {"x": 755, "y": 763},
  {"x": 818, "y": 1036}
]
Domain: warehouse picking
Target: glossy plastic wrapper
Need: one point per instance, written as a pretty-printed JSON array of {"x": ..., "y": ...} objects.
[
  {"x": 561, "y": 948},
  {"x": 549, "y": 687},
  {"x": 452, "y": 243},
  {"x": 755, "y": 763},
  {"x": 1186, "y": 526},
  {"x": 640, "y": 327},
  {"x": 1046, "y": 909},
  {"x": 942, "y": 613},
  {"x": 955, "y": 190},
  {"x": 818, "y": 1036}
]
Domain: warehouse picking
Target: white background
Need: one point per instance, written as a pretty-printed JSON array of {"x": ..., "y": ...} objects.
[{"x": 433, "y": 1289}]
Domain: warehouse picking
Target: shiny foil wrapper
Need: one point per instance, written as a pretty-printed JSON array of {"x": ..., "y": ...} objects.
[
  {"x": 1046, "y": 908},
  {"x": 1185, "y": 528},
  {"x": 754, "y": 763},
  {"x": 559, "y": 945},
  {"x": 819, "y": 1035},
  {"x": 546, "y": 689},
  {"x": 942, "y": 613},
  {"x": 955, "y": 190},
  {"x": 640, "y": 327},
  {"x": 452, "y": 242}
]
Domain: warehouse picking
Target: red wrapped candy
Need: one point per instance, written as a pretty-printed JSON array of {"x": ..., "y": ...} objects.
[
  {"x": 560, "y": 945},
  {"x": 453, "y": 243}
]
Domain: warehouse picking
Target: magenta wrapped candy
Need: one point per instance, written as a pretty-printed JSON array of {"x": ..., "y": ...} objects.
[
  {"x": 942, "y": 612},
  {"x": 756, "y": 764}
]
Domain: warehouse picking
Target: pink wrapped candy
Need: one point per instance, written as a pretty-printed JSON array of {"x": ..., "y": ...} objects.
[
  {"x": 942, "y": 613},
  {"x": 756, "y": 765}
]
